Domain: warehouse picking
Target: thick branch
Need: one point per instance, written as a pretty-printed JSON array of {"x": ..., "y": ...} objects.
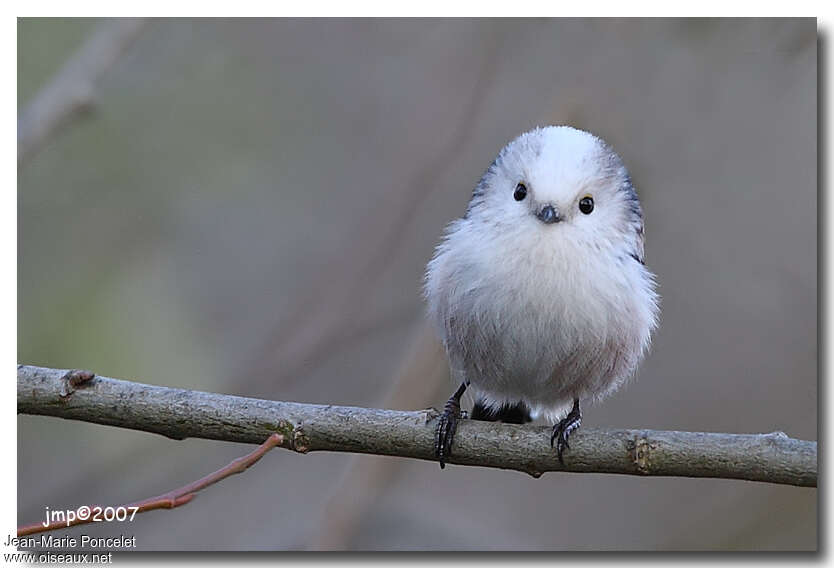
[
  {"x": 72, "y": 89},
  {"x": 179, "y": 414}
]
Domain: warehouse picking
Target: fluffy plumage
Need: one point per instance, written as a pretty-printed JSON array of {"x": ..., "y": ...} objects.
[{"x": 545, "y": 313}]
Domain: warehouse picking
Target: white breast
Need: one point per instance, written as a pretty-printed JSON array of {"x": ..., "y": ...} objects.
[{"x": 539, "y": 321}]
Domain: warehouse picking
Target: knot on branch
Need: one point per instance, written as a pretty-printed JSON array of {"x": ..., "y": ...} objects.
[
  {"x": 299, "y": 441},
  {"x": 74, "y": 379},
  {"x": 640, "y": 449}
]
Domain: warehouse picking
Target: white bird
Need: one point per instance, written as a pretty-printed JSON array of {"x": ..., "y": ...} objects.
[{"x": 540, "y": 293}]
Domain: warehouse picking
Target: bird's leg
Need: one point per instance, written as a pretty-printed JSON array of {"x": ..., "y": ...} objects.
[
  {"x": 447, "y": 426},
  {"x": 562, "y": 430}
]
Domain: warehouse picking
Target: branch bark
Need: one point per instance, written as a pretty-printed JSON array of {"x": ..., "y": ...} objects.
[{"x": 179, "y": 414}]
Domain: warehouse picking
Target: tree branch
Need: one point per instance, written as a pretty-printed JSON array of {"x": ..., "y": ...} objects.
[
  {"x": 180, "y": 414},
  {"x": 71, "y": 91}
]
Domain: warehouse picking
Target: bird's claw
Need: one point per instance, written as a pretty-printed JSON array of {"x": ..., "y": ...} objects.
[
  {"x": 562, "y": 431},
  {"x": 445, "y": 432}
]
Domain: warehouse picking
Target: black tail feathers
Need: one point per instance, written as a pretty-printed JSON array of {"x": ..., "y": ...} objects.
[{"x": 518, "y": 413}]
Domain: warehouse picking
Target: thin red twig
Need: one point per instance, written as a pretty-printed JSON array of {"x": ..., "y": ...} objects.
[{"x": 172, "y": 499}]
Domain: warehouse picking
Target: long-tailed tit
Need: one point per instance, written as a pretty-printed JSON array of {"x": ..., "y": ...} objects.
[{"x": 540, "y": 292}]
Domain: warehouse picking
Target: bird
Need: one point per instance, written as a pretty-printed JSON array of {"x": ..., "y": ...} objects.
[{"x": 540, "y": 293}]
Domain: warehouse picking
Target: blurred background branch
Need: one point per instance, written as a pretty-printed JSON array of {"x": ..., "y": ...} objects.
[
  {"x": 333, "y": 308},
  {"x": 180, "y": 414},
  {"x": 71, "y": 92},
  {"x": 422, "y": 378}
]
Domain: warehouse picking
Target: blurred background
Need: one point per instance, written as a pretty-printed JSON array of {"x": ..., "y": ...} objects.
[{"x": 247, "y": 207}]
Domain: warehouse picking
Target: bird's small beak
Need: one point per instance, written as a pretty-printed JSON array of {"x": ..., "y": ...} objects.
[{"x": 548, "y": 214}]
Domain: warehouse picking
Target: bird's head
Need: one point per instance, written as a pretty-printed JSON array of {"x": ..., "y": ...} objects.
[{"x": 560, "y": 183}]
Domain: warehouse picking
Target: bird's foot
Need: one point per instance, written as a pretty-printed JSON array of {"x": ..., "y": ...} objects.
[
  {"x": 563, "y": 429},
  {"x": 447, "y": 426}
]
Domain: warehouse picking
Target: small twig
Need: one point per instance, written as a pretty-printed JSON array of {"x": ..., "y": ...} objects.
[
  {"x": 72, "y": 90},
  {"x": 178, "y": 414},
  {"x": 172, "y": 499}
]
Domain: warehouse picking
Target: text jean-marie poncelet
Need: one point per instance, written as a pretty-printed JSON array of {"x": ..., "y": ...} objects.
[{"x": 84, "y": 541}]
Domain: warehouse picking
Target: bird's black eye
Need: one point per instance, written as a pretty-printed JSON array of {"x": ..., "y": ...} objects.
[
  {"x": 520, "y": 192},
  {"x": 586, "y": 204}
]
